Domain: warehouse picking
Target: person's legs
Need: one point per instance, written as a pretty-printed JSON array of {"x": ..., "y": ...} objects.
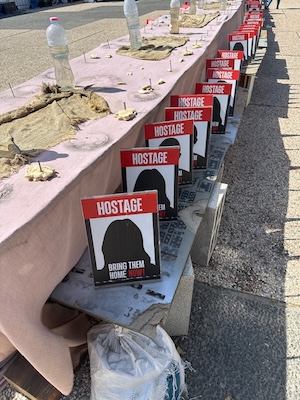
[
  {"x": 268, "y": 3},
  {"x": 278, "y": 2}
]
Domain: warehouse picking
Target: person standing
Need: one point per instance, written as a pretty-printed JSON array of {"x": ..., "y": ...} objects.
[{"x": 269, "y": 2}]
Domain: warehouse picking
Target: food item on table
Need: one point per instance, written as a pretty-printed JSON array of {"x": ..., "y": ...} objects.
[
  {"x": 146, "y": 89},
  {"x": 196, "y": 45},
  {"x": 187, "y": 52},
  {"x": 126, "y": 115},
  {"x": 39, "y": 173}
]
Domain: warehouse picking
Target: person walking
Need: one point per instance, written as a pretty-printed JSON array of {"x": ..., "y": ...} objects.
[{"x": 269, "y": 2}]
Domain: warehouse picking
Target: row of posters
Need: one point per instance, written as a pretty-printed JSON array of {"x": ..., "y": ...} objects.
[{"x": 123, "y": 229}]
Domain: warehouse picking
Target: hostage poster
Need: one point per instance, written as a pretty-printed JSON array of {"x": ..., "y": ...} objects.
[{"x": 123, "y": 237}]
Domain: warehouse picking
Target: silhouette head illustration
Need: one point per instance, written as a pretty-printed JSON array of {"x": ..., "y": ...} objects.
[
  {"x": 152, "y": 179},
  {"x": 170, "y": 142},
  {"x": 217, "y": 111},
  {"x": 122, "y": 241},
  {"x": 238, "y": 46},
  {"x": 200, "y": 160},
  {"x": 195, "y": 134}
]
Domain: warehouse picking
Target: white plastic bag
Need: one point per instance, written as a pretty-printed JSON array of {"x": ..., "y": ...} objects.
[{"x": 126, "y": 365}]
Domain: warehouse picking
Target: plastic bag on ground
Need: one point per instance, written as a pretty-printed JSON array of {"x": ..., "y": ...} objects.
[{"x": 126, "y": 365}]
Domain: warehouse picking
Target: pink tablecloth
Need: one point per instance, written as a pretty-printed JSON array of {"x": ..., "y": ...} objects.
[{"x": 42, "y": 233}]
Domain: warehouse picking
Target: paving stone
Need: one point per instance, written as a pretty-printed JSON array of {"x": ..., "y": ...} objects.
[
  {"x": 292, "y": 283},
  {"x": 292, "y": 142},
  {"x": 245, "y": 353},
  {"x": 294, "y": 180},
  {"x": 294, "y": 157},
  {"x": 293, "y": 210}
]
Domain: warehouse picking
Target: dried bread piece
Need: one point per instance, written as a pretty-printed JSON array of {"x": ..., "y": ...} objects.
[
  {"x": 187, "y": 52},
  {"x": 196, "y": 45},
  {"x": 126, "y": 114},
  {"x": 37, "y": 173},
  {"x": 146, "y": 89}
]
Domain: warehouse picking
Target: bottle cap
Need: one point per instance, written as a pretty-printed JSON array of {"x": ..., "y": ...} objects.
[{"x": 53, "y": 19}]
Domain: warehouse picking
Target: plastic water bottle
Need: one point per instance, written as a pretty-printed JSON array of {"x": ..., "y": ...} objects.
[
  {"x": 201, "y": 4},
  {"x": 58, "y": 44},
  {"x": 132, "y": 18},
  {"x": 174, "y": 16},
  {"x": 223, "y": 5},
  {"x": 193, "y": 7}
]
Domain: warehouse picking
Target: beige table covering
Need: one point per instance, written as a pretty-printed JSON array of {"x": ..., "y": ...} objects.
[{"x": 42, "y": 232}]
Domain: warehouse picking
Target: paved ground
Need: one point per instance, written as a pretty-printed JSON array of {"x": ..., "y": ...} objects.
[
  {"x": 24, "y": 51},
  {"x": 244, "y": 339},
  {"x": 247, "y": 345}
]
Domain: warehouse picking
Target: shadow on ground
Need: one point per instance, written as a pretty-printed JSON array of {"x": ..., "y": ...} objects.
[{"x": 237, "y": 341}]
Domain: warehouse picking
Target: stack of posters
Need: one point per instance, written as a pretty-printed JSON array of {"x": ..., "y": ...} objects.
[
  {"x": 240, "y": 41},
  {"x": 231, "y": 76},
  {"x": 237, "y": 55},
  {"x": 220, "y": 63}
]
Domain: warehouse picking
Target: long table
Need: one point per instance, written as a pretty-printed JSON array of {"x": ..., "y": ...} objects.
[{"x": 42, "y": 233}]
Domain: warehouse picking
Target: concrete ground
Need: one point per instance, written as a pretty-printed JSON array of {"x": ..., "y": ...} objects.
[
  {"x": 24, "y": 52},
  {"x": 244, "y": 337},
  {"x": 245, "y": 326}
]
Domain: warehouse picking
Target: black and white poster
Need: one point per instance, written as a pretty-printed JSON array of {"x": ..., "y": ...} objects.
[
  {"x": 123, "y": 237},
  {"x": 252, "y": 38},
  {"x": 174, "y": 133},
  {"x": 237, "y": 55},
  {"x": 219, "y": 63},
  {"x": 257, "y": 28},
  {"x": 221, "y": 96},
  {"x": 153, "y": 169},
  {"x": 202, "y": 118},
  {"x": 226, "y": 76},
  {"x": 239, "y": 41},
  {"x": 191, "y": 100}
]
